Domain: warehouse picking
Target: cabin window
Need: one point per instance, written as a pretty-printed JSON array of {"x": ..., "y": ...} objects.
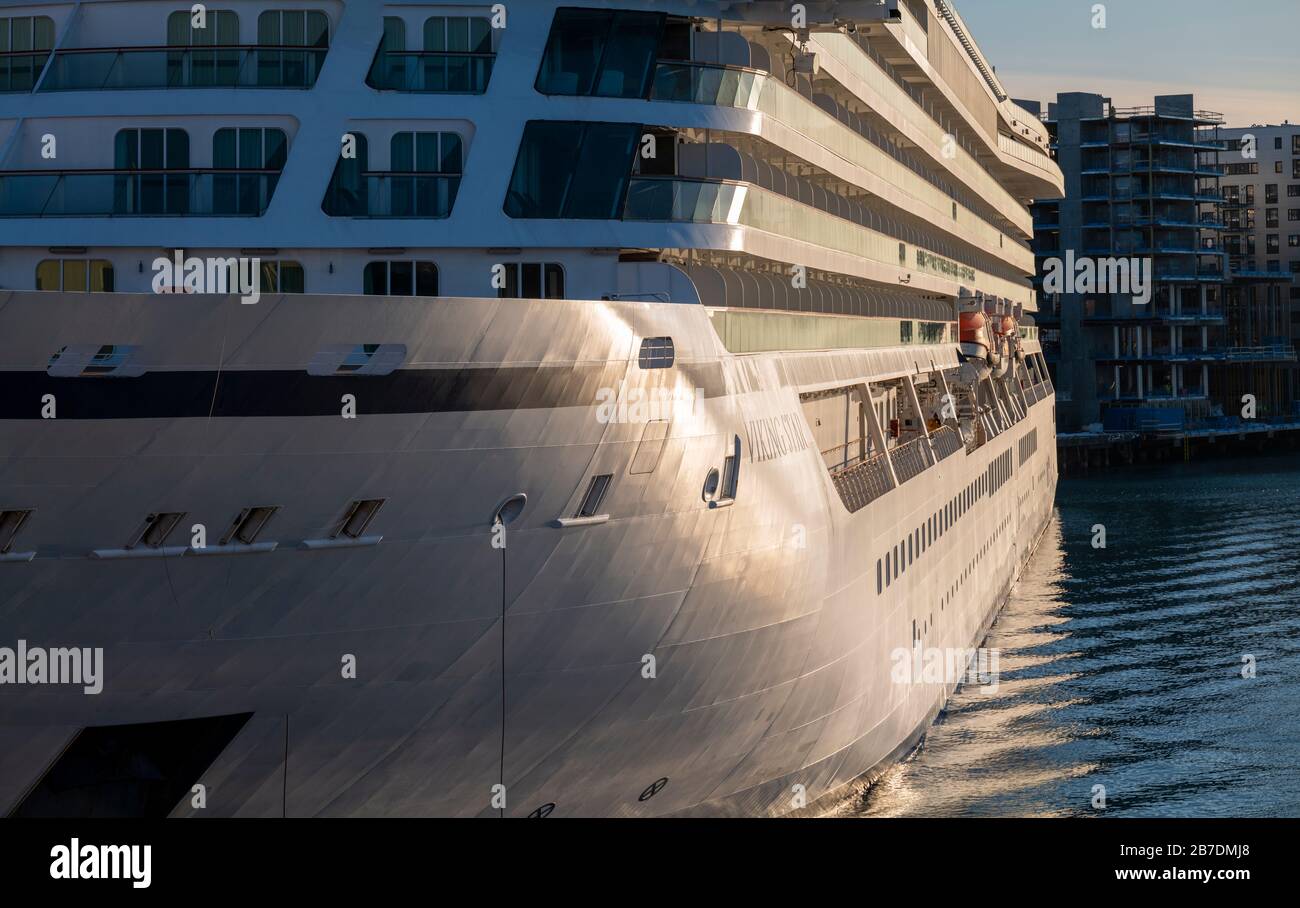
[
  {"x": 146, "y": 187},
  {"x": 532, "y": 281},
  {"x": 606, "y": 53},
  {"x": 203, "y": 67},
  {"x": 75, "y": 275},
  {"x": 656, "y": 353},
  {"x": 291, "y": 28},
  {"x": 401, "y": 278},
  {"x": 572, "y": 170},
  {"x": 28, "y": 41}
]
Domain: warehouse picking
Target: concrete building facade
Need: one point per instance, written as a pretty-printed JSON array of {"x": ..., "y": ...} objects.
[{"x": 1151, "y": 328}]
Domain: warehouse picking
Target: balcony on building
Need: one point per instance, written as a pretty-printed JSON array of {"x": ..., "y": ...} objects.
[
  {"x": 289, "y": 52},
  {"x": 456, "y": 55},
  {"x": 152, "y": 175}
]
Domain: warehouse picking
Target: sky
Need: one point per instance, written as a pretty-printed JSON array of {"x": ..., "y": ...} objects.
[{"x": 1238, "y": 57}]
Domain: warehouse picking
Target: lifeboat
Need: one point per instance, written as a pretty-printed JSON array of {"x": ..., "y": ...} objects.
[{"x": 974, "y": 336}]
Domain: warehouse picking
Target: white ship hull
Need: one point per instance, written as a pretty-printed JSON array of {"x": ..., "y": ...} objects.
[{"x": 479, "y": 665}]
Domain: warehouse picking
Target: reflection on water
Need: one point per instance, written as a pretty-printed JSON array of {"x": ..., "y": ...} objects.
[{"x": 1122, "y": 667}]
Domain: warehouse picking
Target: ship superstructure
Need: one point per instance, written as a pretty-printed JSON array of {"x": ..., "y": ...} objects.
[{"x": 517, "y": 409}]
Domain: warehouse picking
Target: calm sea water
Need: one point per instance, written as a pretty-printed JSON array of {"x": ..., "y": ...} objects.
[{"x": 1122, "y": 667}]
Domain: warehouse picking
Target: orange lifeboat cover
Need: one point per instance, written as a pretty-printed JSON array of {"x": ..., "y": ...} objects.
[{"x": 972, "y": 328}]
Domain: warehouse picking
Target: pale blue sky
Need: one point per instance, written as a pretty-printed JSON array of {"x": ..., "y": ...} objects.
[{"x": 1239, "y": 57}]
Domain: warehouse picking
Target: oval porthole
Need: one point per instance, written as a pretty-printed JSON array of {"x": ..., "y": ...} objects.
[
  {"x": 711, "y": 485},
  {"x": 544, "y": 811},
  {"x": 653, "y": 789},
  {"x": 510, "y": 509}
]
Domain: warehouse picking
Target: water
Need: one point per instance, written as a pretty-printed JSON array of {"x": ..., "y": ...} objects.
[{"x": 1122, "y": 667}]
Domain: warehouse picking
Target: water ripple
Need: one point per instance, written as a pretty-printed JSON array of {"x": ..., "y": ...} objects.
[{"x": 1122, "y": 667}]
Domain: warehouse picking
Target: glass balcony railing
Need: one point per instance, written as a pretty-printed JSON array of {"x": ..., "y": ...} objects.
[
  {"x": 19, "y": 70},
  {"x": 136, "y": 193},
  {"x": 704, "y": 83},
  {"x": 683, "y": 199},
  {"x": 395, "y": 195},
  {"x": 442, "y": 72},
  {"x": 261, "y": 66}
]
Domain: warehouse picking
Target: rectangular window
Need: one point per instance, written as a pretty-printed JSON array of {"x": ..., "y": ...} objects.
[
  {"x": 656, "y": 353},
  {"x": 605, "y": 53},
  {"x": 197, "y": 67},
  {"x": 572, "y": 170},
  {"x": 532, "y": 281},
  {"x": 400, "y": 278},
  {"x": 246, "y": 150},
  {"x": 145, "y": 156},
  {"x": 25, "y": 44},
  {"x": 79, "y": 275},
  {"x": 288, "y": 28}
]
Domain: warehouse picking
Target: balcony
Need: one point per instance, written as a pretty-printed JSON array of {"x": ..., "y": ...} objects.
[
  {"x": 846, "y": 228},
  {"x": 706, "y": 83},
  {"x": 432, "y": 72},
  {"x": 19, "y": 70},
  {"x": 395, "y": 195},
  {"x": 136, "y": 193},
  {"x": 211, "y": 66}
]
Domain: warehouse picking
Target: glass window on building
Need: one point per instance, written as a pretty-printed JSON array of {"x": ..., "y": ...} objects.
[
  {"x": 533, "y": 281},
  {"x": 147, "y": 188},
  {"x": 606, "y": 53},
  {"x": 256, "y": 149},
  {"x": 25, "y": 44},
  {"x": 282, "y": 276},
  {"x": 572, "y": 170},
  {"x": 348, "y": 192},
  {"x": 75, "y": 275},
  {"x": 458, "y": 52},
  {"x": 195, "y": 66},
  {"x": 290, "y": 28},
  {"x": 401, "y": 278}
]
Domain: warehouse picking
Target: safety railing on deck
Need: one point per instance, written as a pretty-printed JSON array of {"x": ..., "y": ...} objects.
[
  {"x": 946, "y": 442},
  {"x": 862, "y": 484},
  {"x": 910, "y": 460}
]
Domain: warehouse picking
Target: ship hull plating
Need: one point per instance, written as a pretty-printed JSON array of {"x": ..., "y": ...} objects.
[{"x": 738, "y": 649}]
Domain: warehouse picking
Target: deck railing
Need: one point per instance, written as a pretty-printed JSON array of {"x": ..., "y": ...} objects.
[
  {"x": 862, "y": 484},
  {"x": 946, "y": 442}
]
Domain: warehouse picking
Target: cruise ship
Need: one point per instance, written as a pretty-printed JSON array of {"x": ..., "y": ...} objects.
[{"x": 533, "y": 409}]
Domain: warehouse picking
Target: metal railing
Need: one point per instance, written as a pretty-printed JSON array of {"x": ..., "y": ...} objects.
[
  {"x": 211, "y": 66},
  {"x": 136, "y": 193},
  {"x": 19, "y": 70},
  {"x": 436, "y": 72},
  {"x": 910, "y": 460},
  {"x": 860, "y": 485},
  {"x": 946, "y": 442}
]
